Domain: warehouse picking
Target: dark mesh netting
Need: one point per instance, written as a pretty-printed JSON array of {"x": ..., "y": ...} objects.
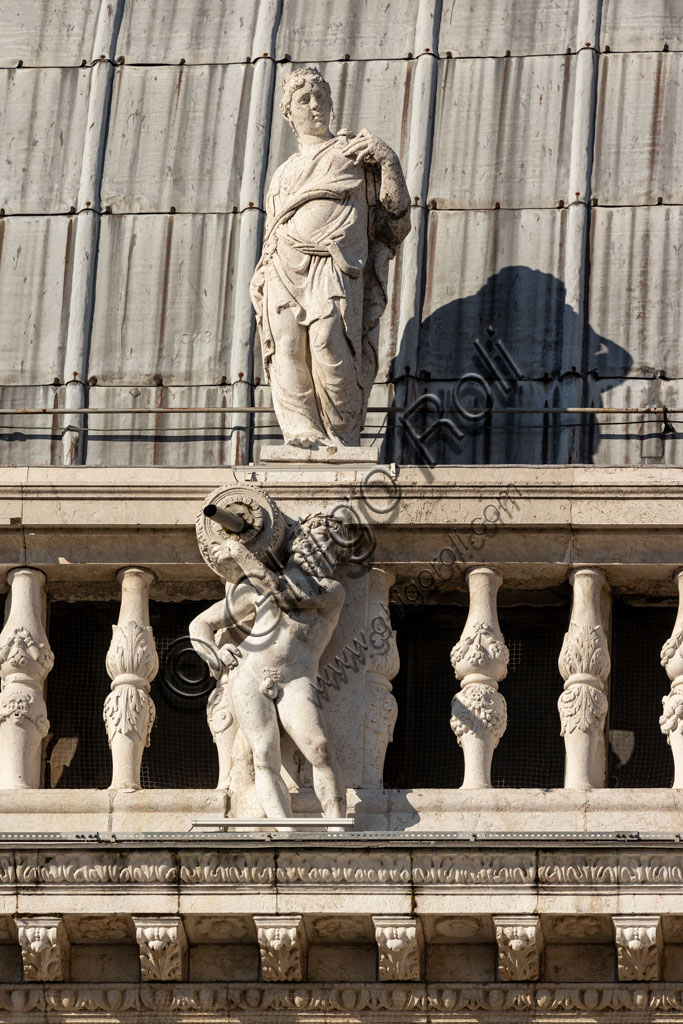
[
  {"x": 425, "y": 752},
  {"x": 639, "y": 755},
  {"x": 182, "y": 754}
]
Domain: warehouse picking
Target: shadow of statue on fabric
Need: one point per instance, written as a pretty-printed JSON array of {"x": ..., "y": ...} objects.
[{"x": 515, "y": 344}]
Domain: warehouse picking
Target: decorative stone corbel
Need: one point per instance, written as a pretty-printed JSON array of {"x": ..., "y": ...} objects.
[
  {"x": 44, "y": 948},
  {"x": 400, "y": 944},
  {"x": 480, "y": 658},
  {"x": 382, "y": 664},
  {"x": 25, "y": 660},
  {"x": 283, "y": 947},
  {"x": 639, "y": 947},
  {"x": 671, "y": 720},
  {"x": 163, "y": 947},
  {"x": 584, "y": 664},
  {"x": 520, "y": 945},
  {"x": 132, "y": 664}
]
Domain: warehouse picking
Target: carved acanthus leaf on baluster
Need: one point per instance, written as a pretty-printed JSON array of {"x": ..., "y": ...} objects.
[
  {"x": 671, "y": 647},
  {"x": 21, "y": 652},
  {"x": 130, "y": 711},
  {"x": 479, "y": 709},
  {"x": 480, "y": 646},
  {"x": 132, "y": 652},
  {"x": 671, "y": 719},
  {"x": 582, "y": 707},
  {"x": 584, "y": 652}
]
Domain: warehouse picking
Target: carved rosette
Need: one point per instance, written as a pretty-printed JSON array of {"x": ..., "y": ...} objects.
[
  {"x": 282, "y": 946},
  {"x": 163, "y": 948},
  {"x": 400, "y": 943},
  {"x": 480, "y": 659},
  {"x": 520, "y": 945},
  {"x": 25, "y": 661},
  {"x": 584, "y": 664},
  {"x": 639, "y": 947},
  {"x": 382, "y": 664},
  {"x": 132, "y": 664},
  {"x": 44, "y": 948},
  {"x": 671, "y": 719}
]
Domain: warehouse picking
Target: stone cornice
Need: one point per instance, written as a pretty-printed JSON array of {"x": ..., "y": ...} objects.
[{"x": 454, "y": 1003}]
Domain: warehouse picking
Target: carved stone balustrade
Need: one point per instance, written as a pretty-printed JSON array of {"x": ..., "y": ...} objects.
[
  {"x": 671, "y": 720},
  {"x": 25, "y": 660},
  {"x": 584, "y": 665},
  {"x": 381, "y": 665},
  {"x": 480, "y": 658},
  {"x": 132, "y": 664}
]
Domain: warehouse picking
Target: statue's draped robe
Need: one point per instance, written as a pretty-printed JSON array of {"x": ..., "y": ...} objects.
[{"x": 325, "y": 260}]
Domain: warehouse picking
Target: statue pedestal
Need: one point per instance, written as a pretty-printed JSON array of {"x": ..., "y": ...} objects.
[{"x": 342, "y": 454}]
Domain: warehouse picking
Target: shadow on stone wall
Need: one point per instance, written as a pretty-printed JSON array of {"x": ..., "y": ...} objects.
[{"x": 515, "y": 344}]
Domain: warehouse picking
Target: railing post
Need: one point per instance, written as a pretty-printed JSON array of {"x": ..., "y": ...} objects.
[
  {"x": 671, "y": 720},
  {"x": 132, "y": 664},
  {"x": 25, "y": 660},
  {"x": 584, "y": 664},
  {"x": 480, "y": 658}
]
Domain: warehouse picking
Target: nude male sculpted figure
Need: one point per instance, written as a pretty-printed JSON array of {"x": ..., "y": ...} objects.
[
  {"x": 272, "y": 672},
  {"x": 336, "y": 212}
]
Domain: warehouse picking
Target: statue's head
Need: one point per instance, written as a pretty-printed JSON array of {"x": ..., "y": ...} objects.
[
  {"x": 307, "y": 102},
  {"x": 320, "y": 541}
]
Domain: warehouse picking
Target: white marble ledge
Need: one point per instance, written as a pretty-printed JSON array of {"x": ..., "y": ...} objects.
[{"x": 418, "y": 810}]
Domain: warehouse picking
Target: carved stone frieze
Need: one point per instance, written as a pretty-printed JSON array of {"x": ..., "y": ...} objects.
[
  {"x": 577, "y": 869},
  {"x": 44, "y": 948},
  {"x": 458, "y": 1001},
  {"x": 639, "y": 947},
  {"x": 282, "y": 947},
  {"x": 163, "y": 947},
  {"x": 343, "y": 868},
  {"x": 474, "y": 869},
  {"x": 400, "y": 943},
  {"x": 74, "y": 867},
  {"x": 520, "y": 943},
  {"x": 661, "y": 868},
  {"x": 219, "y": 868}
]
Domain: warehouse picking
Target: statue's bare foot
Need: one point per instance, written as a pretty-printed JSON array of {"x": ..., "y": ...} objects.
[{"x": 302, "y": 441}]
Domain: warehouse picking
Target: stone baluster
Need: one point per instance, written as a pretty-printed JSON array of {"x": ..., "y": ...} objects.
[
  {"x": 584, "y": 665},
  {"x": 132, "y": 664},
  {"x": 671, "y": 720},
  {"x": 479, "y": 711},
  {"x": 25, "y": 660},
  {"x": 382, "y": 664}
]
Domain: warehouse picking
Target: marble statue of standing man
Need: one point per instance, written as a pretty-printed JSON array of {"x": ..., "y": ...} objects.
[{"x": 336, "y": 213}]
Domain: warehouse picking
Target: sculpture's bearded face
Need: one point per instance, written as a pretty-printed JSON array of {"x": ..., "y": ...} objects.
[
  {"x": 310, "y": 108},
  {"x": 315, "y": 549}
]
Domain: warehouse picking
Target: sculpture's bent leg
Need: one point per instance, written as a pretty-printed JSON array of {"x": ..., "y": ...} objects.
[
  {"x": 303, "y": 721},
  {"x": 258, "y": 721},
  {"x": 335, "y": 379}
]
